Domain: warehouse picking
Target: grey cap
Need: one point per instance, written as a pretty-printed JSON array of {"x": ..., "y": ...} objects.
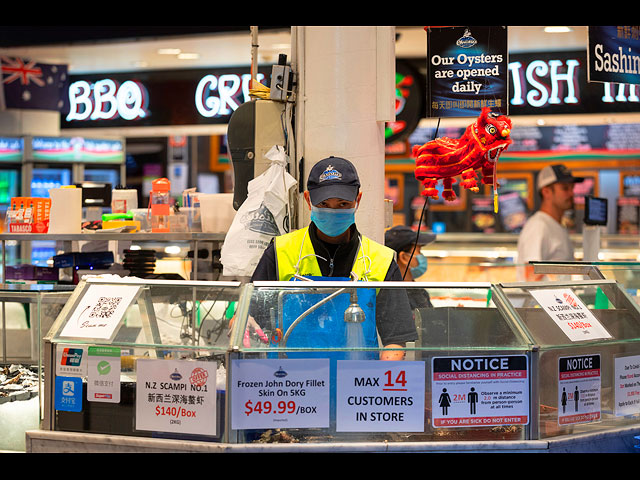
[{"x": 555, "y": 173}]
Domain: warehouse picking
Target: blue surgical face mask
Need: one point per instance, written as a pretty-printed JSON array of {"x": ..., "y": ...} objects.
[
  {"x": 333, "y": 221},
  {"x": 421, "y": 268}
]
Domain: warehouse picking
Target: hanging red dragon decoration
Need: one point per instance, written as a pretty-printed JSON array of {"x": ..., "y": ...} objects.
[{"x": 478, "y": 149}]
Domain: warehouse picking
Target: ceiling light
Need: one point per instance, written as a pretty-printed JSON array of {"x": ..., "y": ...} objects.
[
  {"x": 169, "y": 51},
  {"x": 557, "y": 29},
  {"x": 188, "y": 56}
]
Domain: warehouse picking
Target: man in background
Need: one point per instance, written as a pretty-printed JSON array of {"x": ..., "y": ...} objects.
[
  {"x": 413, "y": 264},
  {"x": 543, "y": 237}
]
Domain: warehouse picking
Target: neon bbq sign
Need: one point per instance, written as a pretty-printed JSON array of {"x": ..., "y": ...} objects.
[
  {"x": 106, "y": 99},
  {"x": 216, "y": 96}
]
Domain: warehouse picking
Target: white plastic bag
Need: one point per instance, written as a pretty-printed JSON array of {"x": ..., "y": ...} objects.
[{"x": 263, "y": 215}]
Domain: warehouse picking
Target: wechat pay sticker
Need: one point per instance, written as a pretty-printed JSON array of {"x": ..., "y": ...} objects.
[{"x": 103, "y": 380}]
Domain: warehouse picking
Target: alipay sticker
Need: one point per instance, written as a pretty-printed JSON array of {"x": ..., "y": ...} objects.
[{"x": 68, "y": 394}]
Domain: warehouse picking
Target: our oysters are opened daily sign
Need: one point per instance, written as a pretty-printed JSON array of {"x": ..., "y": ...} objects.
[{"x": 100, "y": 311}]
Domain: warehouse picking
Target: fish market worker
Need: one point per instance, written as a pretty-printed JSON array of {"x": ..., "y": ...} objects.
[
  {"x": 544, "y": 238},
  {"x": 332, "y": 246}
]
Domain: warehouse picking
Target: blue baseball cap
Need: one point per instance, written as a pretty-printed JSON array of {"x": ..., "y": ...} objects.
[{"x": 333, "y": 177}]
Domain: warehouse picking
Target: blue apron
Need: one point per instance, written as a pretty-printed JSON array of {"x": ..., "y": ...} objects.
[{"x": 325, "y": 327}]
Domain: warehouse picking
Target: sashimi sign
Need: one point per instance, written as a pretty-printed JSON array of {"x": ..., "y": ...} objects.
[{"x": 614, "y": 54}]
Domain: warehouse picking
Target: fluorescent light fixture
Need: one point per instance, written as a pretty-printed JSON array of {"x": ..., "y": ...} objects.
[
  {"x": 172, "y": 249},
  {"x": 169, "y": 51},
  {"x": 188, "y": 56},
  {"x": 557, "y": 29}
]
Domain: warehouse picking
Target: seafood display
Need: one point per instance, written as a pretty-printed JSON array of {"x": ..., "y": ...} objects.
[{"x": 17, "y": 383}]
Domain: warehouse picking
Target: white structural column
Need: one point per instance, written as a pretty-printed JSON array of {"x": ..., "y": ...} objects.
[{"x": 346, "y": 93}]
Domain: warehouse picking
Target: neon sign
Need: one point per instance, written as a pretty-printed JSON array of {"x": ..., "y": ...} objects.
[
  {"x": 556, "y": 82},
  {"x": 542, "y": 94},
  {"x": 216, "y": 96},
  {"x": 106, "y": 100},
  {"x": 621, "y": 95},
  {"x": 229, "y": 87}
]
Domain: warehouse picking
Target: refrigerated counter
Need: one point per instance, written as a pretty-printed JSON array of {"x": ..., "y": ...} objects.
[
  {"x": 542, "y": 367},
  {"x": 493, "y": 257},
  {"x": 26, "y": 314}
]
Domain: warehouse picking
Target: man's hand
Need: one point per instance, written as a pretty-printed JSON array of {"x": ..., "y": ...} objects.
[{"x": 392, "y": 353}]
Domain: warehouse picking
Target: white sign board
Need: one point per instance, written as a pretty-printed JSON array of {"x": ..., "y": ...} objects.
[
  {"x": 176, "y": 396},
  {"x": 479, "y": 391},
  {"x": 283, "y": 393},
  {"x": 379, "y": 396},
  {"x": 626, "y": 385},
  {"x": 100, "y": 311},
  {"x": 570, "y": 314},
  {"x": 579, "y": 389}
]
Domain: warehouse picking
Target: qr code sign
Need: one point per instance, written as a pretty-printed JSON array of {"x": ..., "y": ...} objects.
[{"x": 105, "y": 307}]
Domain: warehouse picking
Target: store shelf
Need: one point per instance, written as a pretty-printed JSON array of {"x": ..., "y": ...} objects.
[
  {"x": 140, "y": 237},
  {"x": 191, "y": 237}
]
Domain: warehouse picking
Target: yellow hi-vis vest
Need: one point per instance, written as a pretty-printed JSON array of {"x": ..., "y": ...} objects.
[{"x": 295, "y": 254}]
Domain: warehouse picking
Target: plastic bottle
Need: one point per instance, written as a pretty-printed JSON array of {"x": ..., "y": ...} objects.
[{"x": 159, "y": 206}]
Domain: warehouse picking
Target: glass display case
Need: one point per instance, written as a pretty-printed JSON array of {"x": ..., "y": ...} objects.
[
  {"x": 626, "y": 273},
  {"x": 341, "y": 362},
  {"x": 323, "y": 376},
  {"x": 26, "y": 313},
  {"x": 142, "y": 358},
  {"x": 586, "y": 337},
  {"x": 493, "y": 257},
  {"x": 490, "y": 362}
]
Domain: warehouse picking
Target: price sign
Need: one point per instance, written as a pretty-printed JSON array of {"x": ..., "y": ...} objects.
[
  {"x": 378, "y": 396},
  {"x": 570, "y": 314},
  {"x": 176, "y": 396},
  {"x": 280, "y": 393}
]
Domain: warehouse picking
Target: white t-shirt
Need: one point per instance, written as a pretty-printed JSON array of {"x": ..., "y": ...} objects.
[{"x": 544, "y": 239}]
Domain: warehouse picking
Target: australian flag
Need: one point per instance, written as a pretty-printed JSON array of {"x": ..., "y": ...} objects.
[{"x": 27, "y": 84}]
